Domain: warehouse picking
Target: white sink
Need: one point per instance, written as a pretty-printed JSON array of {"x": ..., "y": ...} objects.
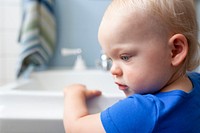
[{"x": 36, "y": 105}]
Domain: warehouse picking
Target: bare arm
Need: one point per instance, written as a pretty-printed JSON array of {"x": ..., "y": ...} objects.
[{"x": 76, "y": 116}]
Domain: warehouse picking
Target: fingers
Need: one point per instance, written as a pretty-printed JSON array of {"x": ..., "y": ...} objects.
[
  {"x": 92, "y": 93},
  {"x": 80, "y": 89}
]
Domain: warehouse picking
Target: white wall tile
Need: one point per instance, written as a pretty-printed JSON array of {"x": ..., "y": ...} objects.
[
  {"x": 10, "y": 70},
  {"x": 10, "y": 39},
  {"x": 2, "y": 82},
  {"x": 1, "y": 17},
  {"x": 10, "y": 2},
  {"x": 2, "y": 68},
  {"x": 1, "y": 45},
  {"x": 7, "y": 70},
  {"x": 10, "y": 18}
]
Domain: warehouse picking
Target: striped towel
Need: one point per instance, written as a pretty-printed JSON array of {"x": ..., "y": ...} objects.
[{"x": 37, "y": 35}]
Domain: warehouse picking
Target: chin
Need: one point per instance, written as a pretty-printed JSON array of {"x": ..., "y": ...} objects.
[{"x": 128, "y": 92}]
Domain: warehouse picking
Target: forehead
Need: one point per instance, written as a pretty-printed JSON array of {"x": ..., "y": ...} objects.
[{"x": 126, "y": 25}]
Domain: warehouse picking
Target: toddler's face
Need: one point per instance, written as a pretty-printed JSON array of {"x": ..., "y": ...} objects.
[{"x": 140, "y": 56}]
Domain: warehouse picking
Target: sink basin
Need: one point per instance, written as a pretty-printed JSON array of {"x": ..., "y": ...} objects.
[
  {"x": 57, "y": 80},
  {"x": 35, "y": 105}
]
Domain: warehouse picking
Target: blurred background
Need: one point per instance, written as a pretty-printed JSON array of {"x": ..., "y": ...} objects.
[{"x": 77, "y": 27}]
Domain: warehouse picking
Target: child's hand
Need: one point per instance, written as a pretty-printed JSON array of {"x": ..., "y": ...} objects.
[
  {"x": 76, "y": 115},
  {"x": 80, "y": 90}
]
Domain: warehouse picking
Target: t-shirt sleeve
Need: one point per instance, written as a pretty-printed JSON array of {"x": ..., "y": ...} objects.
[{"x": 133, "y": 114}]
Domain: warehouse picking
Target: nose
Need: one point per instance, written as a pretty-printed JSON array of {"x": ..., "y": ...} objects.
[{"x": 115, "y": 70}]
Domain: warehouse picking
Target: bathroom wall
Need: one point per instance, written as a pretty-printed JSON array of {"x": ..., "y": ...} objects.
[
  {"x": 9, "y": 49},
  {"x": 78, "y": 22}
]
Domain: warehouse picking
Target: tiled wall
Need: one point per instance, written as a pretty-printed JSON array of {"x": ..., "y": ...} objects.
[{"x": 10, "y": 18}]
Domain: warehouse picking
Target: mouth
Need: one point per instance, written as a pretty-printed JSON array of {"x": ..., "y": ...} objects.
[{"x": 121, "y": 86}]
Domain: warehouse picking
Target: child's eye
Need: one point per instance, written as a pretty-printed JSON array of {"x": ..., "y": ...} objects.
[{"x": 125, "y": 58}]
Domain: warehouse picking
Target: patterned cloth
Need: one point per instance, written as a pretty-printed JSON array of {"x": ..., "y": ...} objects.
[{"x": 37, "y": 34}]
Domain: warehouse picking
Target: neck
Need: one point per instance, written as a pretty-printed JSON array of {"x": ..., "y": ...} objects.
[{"x": 179, "y": 81}]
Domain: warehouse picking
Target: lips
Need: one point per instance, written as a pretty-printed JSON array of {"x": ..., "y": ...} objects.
[{"x": 121, "y": 86}]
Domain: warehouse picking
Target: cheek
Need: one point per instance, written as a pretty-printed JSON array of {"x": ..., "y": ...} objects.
[
  {"x": 135, "y": 77},
  {"x": 146, "y": 79}
]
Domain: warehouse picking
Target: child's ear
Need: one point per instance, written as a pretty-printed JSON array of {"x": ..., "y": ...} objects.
[{"x": 179, "y": 49}]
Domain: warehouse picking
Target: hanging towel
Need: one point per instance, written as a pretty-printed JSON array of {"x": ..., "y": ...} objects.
[{"x": 37, "y": 36}]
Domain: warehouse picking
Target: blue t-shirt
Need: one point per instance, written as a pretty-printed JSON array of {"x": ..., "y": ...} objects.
[{"x": 165, "y": 112}]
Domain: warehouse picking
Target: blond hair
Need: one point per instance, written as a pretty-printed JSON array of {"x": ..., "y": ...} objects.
[{"x": 178, "y": 16}]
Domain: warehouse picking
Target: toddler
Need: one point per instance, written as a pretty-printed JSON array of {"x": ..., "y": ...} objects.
[{"x": 153, "y": 47}]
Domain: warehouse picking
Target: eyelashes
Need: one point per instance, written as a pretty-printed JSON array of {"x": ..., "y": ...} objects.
[
  {"x": 122, "y": 57},
  {"x": 125, "y": 57}
]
